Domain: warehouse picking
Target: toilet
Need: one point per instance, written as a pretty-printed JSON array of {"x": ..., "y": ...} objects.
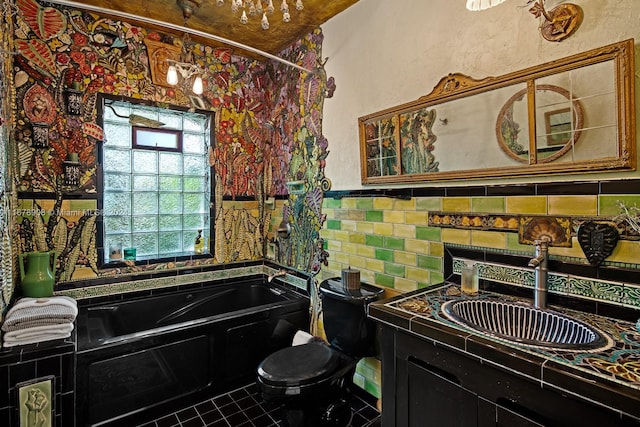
[{"x": 311, "y": 380}]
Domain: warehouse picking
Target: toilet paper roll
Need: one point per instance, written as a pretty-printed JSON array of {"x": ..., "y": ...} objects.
[
  {"x": 301, "y": 337},
  {"x": 351, "y": 279}
]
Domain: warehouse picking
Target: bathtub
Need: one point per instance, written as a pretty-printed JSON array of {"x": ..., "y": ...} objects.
[{"x": 139, "y": 356}]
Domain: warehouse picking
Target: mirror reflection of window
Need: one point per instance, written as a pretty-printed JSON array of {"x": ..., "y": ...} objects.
[{"x": 593, "y": 90}]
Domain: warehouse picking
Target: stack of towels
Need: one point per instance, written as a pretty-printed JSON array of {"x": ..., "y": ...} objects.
[{"x": 33, "y": 320}]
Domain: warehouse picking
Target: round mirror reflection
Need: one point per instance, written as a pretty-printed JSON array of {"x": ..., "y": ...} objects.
[{"x": 558, "y": 122}]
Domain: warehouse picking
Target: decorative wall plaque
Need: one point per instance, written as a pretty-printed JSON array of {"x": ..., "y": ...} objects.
[
  {"x": 35, "y": 403},
  {"x": 597, "y": 240},
  {"x": 158, "y": 54}
]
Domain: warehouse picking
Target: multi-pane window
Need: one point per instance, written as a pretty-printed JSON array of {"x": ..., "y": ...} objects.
[{"x": 156, "y": 180}]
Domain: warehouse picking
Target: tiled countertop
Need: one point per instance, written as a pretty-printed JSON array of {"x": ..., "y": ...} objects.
[{"x": 610, "y": 377}]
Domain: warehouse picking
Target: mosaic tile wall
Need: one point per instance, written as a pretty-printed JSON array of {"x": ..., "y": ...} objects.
[{"x": 253, "y": 156}]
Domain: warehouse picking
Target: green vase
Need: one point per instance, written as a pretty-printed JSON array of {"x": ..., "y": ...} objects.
[{"x": 37, "y": 274}]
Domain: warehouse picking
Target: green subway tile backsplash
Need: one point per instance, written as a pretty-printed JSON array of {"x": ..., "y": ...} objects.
[
  {"x": 428, "y": 204},
  {"x": 334, "y": 224},
  {"x": 384, "y": 280},
  {"x": 375, "y": 216},
  {"x": 436, "y": 277},
  {"x": 429, "y": 262},
  {"x": 394, "y": 269},
  {"x": 371, "y": 240},
  {"x": 394, "y": 243},
  {"x": 364, "y": 203},
  {"x": 428, "y": 233},
  {"x": 488, "y": 204},
  {"x": 608, "y": 205},
  {"x": 332, "y": 203},
  {"x": 384, "y": 255}
]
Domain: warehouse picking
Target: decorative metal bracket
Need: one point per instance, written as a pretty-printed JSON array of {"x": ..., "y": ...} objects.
[{"x": 559, "y": 22}]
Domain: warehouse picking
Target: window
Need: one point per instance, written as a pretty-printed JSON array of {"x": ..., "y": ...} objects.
[{"x": 156, "y": 180}]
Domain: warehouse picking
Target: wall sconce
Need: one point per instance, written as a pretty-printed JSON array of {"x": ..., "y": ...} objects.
[
  {"x": 72, "y": 170},
  {"x": 187, "y": 71},
  {"x": 559, "y": 22}
]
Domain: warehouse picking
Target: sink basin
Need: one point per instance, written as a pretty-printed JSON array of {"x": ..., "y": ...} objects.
[{"x": 525, "y": 324}]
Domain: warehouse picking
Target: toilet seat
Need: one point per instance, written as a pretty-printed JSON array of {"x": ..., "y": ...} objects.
[{"x": 299, "y": 365}]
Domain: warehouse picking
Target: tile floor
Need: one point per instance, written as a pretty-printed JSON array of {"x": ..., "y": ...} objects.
[{"x": 245, "y": 407}]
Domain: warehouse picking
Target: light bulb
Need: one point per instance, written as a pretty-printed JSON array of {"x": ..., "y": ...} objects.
[
  {"x": 172, "y": 75},
  {"x": 197, "y": 86}
]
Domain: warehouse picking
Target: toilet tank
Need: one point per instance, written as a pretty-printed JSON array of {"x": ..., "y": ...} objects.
[{"x": 345, "y": 317}]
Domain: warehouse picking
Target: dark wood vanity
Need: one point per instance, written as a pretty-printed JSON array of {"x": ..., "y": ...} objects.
[{"x": 435, "y": 372}]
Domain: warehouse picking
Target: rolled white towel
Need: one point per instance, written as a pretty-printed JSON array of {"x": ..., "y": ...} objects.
[{"x": 302, "y": 337}]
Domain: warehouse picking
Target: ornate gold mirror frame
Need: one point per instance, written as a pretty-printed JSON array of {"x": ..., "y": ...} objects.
[{"x": 572, "y": 115}]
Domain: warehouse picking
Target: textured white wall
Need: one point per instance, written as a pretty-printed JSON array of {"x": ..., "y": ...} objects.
[{"x": 387, "y": 52}]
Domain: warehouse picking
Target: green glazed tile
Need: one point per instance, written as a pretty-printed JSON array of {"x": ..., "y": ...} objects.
[
  {"x": 374, "y": 241},
  {"x": 608, "y": 203},
  {"x": 394, "y": 243},
  {"x": 428, "y": 233},
  {"x": 373, "y": 389},
  {"x": 334, "y": 224},
  {"x": 332, "y": 203},
  {"x": 384, "y": 280},
  {"x": 429, "y": 262},
  {"x": 364, "y": 203},
  {"x": 374, "y": 216},
  {"x": 384, "y": 255},
  {"x": 488, "y": 204},
  {"x": 394, "y": 269},
  {"x": 428, "y": 204},
  {"x": 436, "y": 277}
]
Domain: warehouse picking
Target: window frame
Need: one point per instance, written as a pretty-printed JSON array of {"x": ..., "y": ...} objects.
[
  {"x": 136, "y": 130},
  {"x": 102, "y": 103}
]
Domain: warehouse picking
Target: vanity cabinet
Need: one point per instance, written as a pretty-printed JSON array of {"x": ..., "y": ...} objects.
[{"x": 427, "y": 383}]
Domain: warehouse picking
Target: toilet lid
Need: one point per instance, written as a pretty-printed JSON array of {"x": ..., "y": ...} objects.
[{"x": 298, "y": 365}]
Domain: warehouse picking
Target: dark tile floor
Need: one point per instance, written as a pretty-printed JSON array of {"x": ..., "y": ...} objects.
[{"x": 245, "y": 407}]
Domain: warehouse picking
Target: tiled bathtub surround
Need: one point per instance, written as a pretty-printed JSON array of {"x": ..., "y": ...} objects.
[{"x": 88, "y": 289}]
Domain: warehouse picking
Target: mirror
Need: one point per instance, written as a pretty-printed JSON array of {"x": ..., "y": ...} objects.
[
  {"x": 575, "y": 114},
  {"x": 559, "y": 120}
]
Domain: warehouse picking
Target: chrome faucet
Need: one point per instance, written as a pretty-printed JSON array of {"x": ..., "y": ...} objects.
[
  {"x": 280, "y": 273},
  {"x": 541, "y": 264}
]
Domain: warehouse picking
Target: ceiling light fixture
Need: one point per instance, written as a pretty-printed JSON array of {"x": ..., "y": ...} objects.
[
  {"x": 475, "y": 5},
  {"x": 258, "y": 7}
]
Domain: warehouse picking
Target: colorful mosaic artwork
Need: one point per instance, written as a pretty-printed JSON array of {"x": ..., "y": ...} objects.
[{"x": 268, "y": 130}]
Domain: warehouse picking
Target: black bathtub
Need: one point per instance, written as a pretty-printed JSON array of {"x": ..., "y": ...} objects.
[{"x": 137, "y": 357}]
